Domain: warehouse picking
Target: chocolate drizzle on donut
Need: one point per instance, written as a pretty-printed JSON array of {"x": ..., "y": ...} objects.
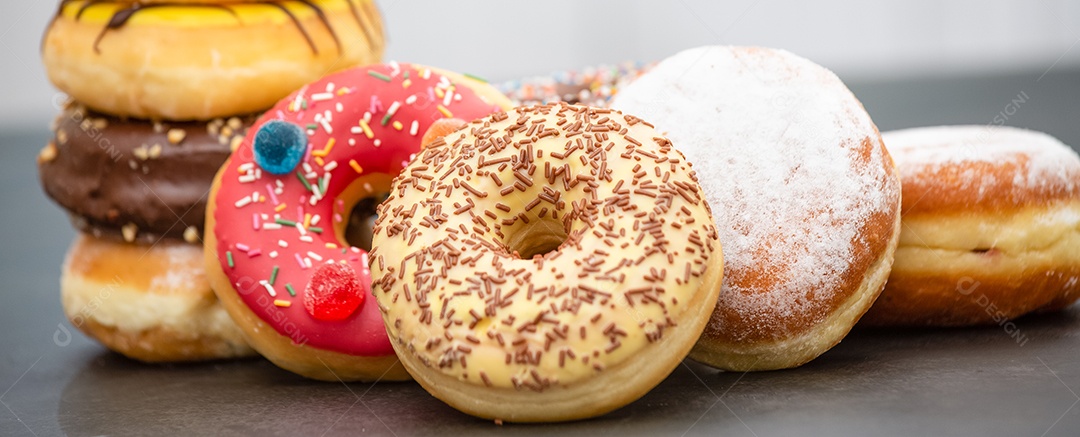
[
  {"x": 299, "y": 27},
  {"x": 120, "y": 18},
  {"x": 369, "y": 32}
]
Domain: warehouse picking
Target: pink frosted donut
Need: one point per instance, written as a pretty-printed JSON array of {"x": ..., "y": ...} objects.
[{"x": 276, "y": 248}]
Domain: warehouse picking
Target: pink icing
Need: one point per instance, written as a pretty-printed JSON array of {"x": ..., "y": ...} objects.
[{"x": 255, "y": 210}]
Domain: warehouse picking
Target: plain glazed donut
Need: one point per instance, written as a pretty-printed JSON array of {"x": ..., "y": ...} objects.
[
  {"x": 991, "y": 227},
  {"x": 179, "y": 61},
  {"x": 150, "y": 303},
  {"x": 276, "y": 250},
  {"x": 805, "y": 196},
  {"x": 134, "y": 179},
  {"x": 551, "y": 263}
]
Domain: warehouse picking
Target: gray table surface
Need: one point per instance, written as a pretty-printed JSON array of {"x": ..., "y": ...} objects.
[{"x": 979, "y": 381}]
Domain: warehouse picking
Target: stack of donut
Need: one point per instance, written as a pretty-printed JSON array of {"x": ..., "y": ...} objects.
[{"x": 161, "y": 92}]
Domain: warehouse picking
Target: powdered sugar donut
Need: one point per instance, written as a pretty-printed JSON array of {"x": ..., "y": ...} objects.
[
  {"x": 991, "y": 229},
  {"x": 805, "y": 196}
]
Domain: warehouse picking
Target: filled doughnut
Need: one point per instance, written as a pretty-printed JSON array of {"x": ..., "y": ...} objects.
[
  {"x": 135, "y": 179},
  {"x": 148, "y": 302},
  {"x": 991, "y": 227},
  {"x": 199, "y": 61},
  {"x": 805, "y": 196},
  {"x": 276, "y": 246},
  {"x": 551, "y": 263}
]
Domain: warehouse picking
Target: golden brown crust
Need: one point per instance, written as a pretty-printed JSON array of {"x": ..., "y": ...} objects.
[
  {"x": 228, "y": 63},
  {"x": 991, "y": 227},
  {"x": 149, "y": 303},
  {"x": 976, "y": 268},
  {"x": 159, "y": 345},
  {"x": 929, "y": 190},
  {"x": 982, "y": 169},
  {"x": 959, "y": 299},
  {"x": 280, "y": 349}
]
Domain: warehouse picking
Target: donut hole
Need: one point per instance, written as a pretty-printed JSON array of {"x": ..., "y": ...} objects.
[
  {"x": 360, "y": 200},
  {"x": 358, "y": 230},
  {"x": 538, "y": 237}
]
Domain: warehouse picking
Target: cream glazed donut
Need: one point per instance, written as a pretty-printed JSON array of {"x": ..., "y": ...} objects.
[
  {"x": 276, "y": 251},
  {"x": 805, "y": 196},
  {"x": 991, "y": 227},
  {"x": 551, "y": 263}
]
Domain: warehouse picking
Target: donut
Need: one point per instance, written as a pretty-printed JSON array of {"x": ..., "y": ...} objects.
[
  {"x": 551, "y": 263},
  {"x": 135, "y": 180},
  {"x": 592, "y": 86},
  {"x": 135, "y": 190},
  {"x": 805, "y": 196},
  {"x": 149, "y": 303},
  {"x": 199, "y": 61},
  {"x": 991, "y": 227},
  {"x": 276, "y": 247}
]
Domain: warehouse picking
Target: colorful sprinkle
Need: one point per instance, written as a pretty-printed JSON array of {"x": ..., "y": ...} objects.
[
  {"x": 378, "y": 75},
  {"x": 303, "y": 180},
  {"x": 475, "y": 77}
]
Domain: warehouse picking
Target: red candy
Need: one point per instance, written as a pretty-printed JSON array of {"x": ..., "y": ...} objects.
[{"x": 334, "y": 293}]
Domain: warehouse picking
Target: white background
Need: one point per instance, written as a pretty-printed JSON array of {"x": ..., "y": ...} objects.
[{"x": 505, "y": 39}]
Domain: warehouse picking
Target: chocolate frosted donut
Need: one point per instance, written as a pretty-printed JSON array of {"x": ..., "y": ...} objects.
[{"x": 135, "y": 179}]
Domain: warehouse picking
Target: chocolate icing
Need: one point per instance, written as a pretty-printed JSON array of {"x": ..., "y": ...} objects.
[
  {"x": 110, "y": 172},
  {"x": 122, "y": 15}
]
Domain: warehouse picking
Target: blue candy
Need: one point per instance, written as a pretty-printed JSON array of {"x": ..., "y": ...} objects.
[{"x": 279, "y": 146}]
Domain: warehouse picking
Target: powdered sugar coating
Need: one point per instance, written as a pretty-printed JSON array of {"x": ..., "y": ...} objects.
[
  {"x": 984, "y": 163},
  {"x": 793, "y": 168}
]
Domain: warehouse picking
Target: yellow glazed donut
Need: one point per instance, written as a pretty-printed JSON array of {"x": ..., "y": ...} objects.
[
  {"x": 551, "y": 263},
  {"x": 201, "y": 61},
  {"x": 991, "y": 227}
]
